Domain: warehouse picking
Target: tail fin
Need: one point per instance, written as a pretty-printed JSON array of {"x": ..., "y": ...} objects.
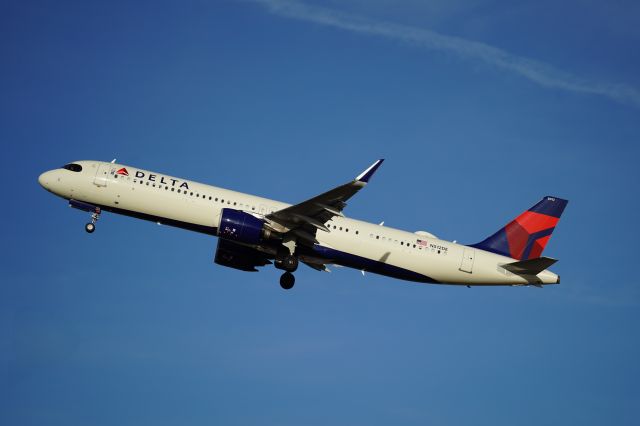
[{"x": 527, "y": 235}]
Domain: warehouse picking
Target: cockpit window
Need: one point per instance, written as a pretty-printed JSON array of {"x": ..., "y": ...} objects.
[{"x": 73, "y": 167}]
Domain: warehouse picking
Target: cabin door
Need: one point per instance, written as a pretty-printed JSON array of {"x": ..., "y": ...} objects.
[
  {"x": 102, "y": 175},
  {"x": 467, "y": 260}
]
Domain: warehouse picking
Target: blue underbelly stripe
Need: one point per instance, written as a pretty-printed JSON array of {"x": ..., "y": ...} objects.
[{"x": 369, "y": 265}]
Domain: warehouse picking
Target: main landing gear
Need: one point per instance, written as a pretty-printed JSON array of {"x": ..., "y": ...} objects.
[
  {"x": 288, "y": 264},
  {"x": 287, "y": 280},
  {"x": 91, "y": 226}
]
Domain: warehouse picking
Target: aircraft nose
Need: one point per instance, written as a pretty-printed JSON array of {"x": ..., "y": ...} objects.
[{"x": 45, "y": 179}]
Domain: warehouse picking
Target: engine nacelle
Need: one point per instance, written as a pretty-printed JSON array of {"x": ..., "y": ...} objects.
[
  {"x": 240, "y": 257},
  {"x": 236, "y": 225}
]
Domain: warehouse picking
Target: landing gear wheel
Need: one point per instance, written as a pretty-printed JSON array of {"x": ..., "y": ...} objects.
[
  {"x": 287, "y": 280},
  {"x": 95, "y": 215}
]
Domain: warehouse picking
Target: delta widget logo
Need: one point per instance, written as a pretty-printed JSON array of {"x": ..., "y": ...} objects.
[{"x": 123, "y": 171}]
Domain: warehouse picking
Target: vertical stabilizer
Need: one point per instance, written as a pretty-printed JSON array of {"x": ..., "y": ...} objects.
[{"x": 526, "y": 236}]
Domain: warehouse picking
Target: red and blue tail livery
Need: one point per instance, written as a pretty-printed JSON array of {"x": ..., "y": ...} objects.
[{"x": 526, "y": 236}]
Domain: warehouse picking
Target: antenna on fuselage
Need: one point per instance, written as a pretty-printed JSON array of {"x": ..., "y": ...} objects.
[{"x": 113, "y": 161}]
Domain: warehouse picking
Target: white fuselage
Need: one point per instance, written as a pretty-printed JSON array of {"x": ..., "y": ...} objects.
[{"x": 350, "y": 242}]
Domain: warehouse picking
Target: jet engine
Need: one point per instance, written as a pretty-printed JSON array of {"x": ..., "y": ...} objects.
[{"x": 242, "y": 227}]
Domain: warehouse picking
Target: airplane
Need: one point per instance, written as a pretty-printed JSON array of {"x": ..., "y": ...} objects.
[{"x": 254, "y": 231}]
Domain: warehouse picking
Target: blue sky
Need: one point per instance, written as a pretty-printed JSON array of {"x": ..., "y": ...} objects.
[{"x": 480, "y": 108}]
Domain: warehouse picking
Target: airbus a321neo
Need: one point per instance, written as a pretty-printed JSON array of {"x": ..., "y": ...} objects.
[{"x": 254, "y": 231}]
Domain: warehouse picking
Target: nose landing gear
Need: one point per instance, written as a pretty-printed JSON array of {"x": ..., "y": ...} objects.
[
  {"x": 91, "y": 226},
  {"x": 95, "y": 215},
  {"x": 94, "y": 210}
]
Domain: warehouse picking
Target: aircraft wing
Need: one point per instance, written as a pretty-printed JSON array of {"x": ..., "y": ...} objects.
[{"x": 305, "y": 218}]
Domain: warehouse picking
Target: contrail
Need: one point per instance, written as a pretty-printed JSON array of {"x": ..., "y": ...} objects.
[{"x": 538, "y": 72}]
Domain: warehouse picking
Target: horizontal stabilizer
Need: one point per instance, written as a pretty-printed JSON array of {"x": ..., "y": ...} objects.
[{"x": 531, "y": 266}]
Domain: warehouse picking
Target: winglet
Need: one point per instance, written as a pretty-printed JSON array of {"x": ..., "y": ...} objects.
[{"x": 366, "y": 175}]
